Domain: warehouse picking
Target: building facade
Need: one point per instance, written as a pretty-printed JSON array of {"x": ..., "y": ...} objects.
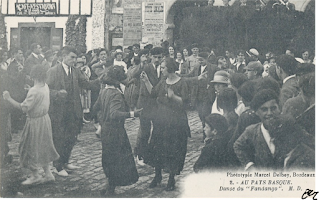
[{"x": 109, "y": 22}]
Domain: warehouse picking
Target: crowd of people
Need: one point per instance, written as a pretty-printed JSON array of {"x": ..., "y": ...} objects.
[{"x": 256, "y": 112}]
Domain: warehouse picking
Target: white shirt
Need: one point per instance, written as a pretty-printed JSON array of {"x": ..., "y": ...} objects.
[
  {"x": 268, "y": 139},
  {"x": 232, "y": 60},
  {"x": 289, "y": 77},
  {"x": 180, "y": 63},
  {"x": 66, "y": 68},
  {"x": 238, "y": 64},
  {"x": 269, "y": 142},
  {"x": 158, "y": 70},
  {"x": 288, "y": 157},
  {"x": 35, "y": 55},
  {"x": 215, "y": 109},
  {"x": 202, "y": 68},
  {"x": 120, "y": 63},
  {"x": 112, "y": 87}
]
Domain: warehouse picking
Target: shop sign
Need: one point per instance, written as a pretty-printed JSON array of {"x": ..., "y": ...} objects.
[{"x": 35, "y": 9}]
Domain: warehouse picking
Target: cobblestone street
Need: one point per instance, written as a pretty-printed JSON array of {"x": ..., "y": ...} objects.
[{"x": 90, "y": 179}]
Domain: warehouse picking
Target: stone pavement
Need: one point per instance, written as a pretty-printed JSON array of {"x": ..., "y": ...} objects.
[{"x": 90, "y": 179}]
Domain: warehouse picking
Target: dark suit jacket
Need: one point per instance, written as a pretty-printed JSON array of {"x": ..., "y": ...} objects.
[
  {"x": 55, "y": 81},
  {"x": 252, "y": 147},
  {"x": 289, "y": 89},
  {"x": 145, "y": 100},
  {"x": 201, "y": 90},
  {"x": 294, "y": 106},
  {"x": 31, "y": 61},
  {"x": 213, "y": 155},
  {"x": 302, "y": 157},
  {"x": 240, "y": 68}
]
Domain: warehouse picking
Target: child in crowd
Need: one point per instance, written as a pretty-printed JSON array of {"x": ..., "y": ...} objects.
[{"x": 213, "y": 155}]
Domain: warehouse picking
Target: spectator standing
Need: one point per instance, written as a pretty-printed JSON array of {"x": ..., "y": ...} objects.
[
  {"x": 286, "y": 71},
  {"x": 192, "y": 59},
  {"x": 34, "y": 58},
  {"x": 213, "y": 155},
  {"x": 255, "y": 148},
  {"x": 238, "y": 67}
]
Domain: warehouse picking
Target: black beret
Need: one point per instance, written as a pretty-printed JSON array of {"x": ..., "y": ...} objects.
[
  {"x": 262, "y": 97},
  {"x": 156, "y": 51},
  {"x": 287, "y": 63},
  {"x": 203, "y": 55},
  {"x": 143, "y": 52},
  {"x": 217, "y": 121},
  {"x": 305, "y": 68},
  {"x": 136, "y": 45}
]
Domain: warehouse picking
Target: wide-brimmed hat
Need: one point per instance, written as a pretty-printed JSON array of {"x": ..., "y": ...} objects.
[{"x": 221, "y": 77}]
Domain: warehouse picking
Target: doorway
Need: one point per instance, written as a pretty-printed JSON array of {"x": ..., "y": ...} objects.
[{"x": 30, "y": 35}]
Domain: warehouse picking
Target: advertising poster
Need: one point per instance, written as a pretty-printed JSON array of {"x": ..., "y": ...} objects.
[
  {"x": 153, "y": 24},
  {"x": 132, "y": 22}
]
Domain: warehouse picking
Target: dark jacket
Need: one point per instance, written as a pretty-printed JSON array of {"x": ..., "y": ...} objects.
[
  {"x": 32, "y": 61},
  {"x": 289, "y": 90},
  {"x": 145, "y": 100},
  {"x": 252, "y": 147},
  {"x": 302, "y": 157},
  {"x": 213, "y": 155},
  {"x": 55, "y": 81},
  {"x": 201, "y": 90},
  {"x": 294, "y": 106},
  {"x": 240, "y": 68}
]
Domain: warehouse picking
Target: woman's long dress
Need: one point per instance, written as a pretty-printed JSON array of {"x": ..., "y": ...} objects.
[
  {"x": 117, "y": 158},
  {"x": 36, "y": 146},
  {"x": 168, "y": 143}
]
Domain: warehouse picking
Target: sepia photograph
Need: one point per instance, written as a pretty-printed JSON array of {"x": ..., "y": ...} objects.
[{"x": 157, "y": 99}]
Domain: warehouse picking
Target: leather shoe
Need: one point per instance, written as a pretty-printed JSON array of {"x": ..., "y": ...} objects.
[
  {"x": 32, "y": 180},
  {"x": 155, "y": 181},
  {"x": 47, "y": 179},
  {"x": 71, "y": 167},
  {"x": 61, "y": 173},
  {"x": 170, "y": 185}
]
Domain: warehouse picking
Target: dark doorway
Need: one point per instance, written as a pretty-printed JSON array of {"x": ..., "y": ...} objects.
[{"x": 29, "y": 35}]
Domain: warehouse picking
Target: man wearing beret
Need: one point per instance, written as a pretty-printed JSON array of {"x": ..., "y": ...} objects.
[
  {"x": 255, "y": 147},
  {"x": 286, "y": 69},
  {"x": 254, "y": 70},
  {"x": 202, "y": 96}
]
